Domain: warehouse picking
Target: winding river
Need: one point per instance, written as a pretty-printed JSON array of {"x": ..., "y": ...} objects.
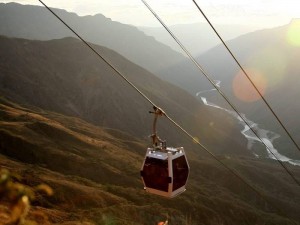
[{"x": 266, "y": 136}]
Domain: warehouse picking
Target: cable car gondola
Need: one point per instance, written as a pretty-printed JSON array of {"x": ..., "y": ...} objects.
[{"x": 165, "y": 169}]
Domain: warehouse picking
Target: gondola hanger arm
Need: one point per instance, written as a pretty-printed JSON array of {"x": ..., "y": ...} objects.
[{"x": 156, "y": 141}]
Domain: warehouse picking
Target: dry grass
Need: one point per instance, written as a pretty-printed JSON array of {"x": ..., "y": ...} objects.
[{"x": 95, "y": 175}]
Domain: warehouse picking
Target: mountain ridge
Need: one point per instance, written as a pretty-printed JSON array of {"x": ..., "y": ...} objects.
[
  {"x": 197, "y": 37},
  {"x": 60, "y": 89},
  {"x": 18, "y": 21}
]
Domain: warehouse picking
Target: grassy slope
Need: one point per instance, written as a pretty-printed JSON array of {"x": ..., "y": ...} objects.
[{"x": 95, "y": 175}]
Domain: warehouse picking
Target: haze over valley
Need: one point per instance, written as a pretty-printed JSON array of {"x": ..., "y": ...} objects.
[{"x": 68, "y": 120}]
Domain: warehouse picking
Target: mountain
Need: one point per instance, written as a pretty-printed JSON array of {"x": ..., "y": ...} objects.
[
  {"x": 270, "y": 53},
  {"x": 270, "y": 57},
  {"x": 36, "y": 23},
  {"x": 66, "y": 77},
  {"x": 94, "y": 173},
  {"x": 197, "y": 37},
  {"x": 68, "y": 121}
]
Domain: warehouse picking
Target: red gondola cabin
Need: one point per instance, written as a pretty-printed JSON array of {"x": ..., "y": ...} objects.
[{"x": 165, "y": 172}]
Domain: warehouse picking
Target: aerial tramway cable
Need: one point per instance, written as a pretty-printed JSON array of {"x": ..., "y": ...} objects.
[
  {"x": 167, "y": 116},
  {"x": 218, "y": 89},
  {"x": 248, "y": 77}
]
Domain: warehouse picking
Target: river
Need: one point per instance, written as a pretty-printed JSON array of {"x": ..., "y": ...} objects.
[{"x": 266, "y": 136}]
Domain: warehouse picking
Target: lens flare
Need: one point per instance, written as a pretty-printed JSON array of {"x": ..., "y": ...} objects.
[
  {"x": 293, "y": 34},
  {"x": 243, "y": 89}
]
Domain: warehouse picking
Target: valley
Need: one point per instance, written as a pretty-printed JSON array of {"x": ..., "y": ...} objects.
[{"x": 69, "y": 121}]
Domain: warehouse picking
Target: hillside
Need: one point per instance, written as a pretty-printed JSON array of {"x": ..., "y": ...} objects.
[
  {"x": 67, "y": 120},
  {"x": 36, "y": 23},
  {"x": 270, "y": 57},
  {"x": 95, "y": 175},
  {"x": 66, "y": 77},
  {"x": 251, "y": 49}
]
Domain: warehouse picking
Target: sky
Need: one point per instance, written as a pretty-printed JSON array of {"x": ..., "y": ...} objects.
[{"x": 260, "y": 13}]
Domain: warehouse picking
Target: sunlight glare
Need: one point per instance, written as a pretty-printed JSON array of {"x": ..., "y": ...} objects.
[
  {"x": 293, "y": 34},
  {"x": 242, "y": 88}
]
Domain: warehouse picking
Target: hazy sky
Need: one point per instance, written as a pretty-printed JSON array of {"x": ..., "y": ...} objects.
[{"x": 261, "y": 13}]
